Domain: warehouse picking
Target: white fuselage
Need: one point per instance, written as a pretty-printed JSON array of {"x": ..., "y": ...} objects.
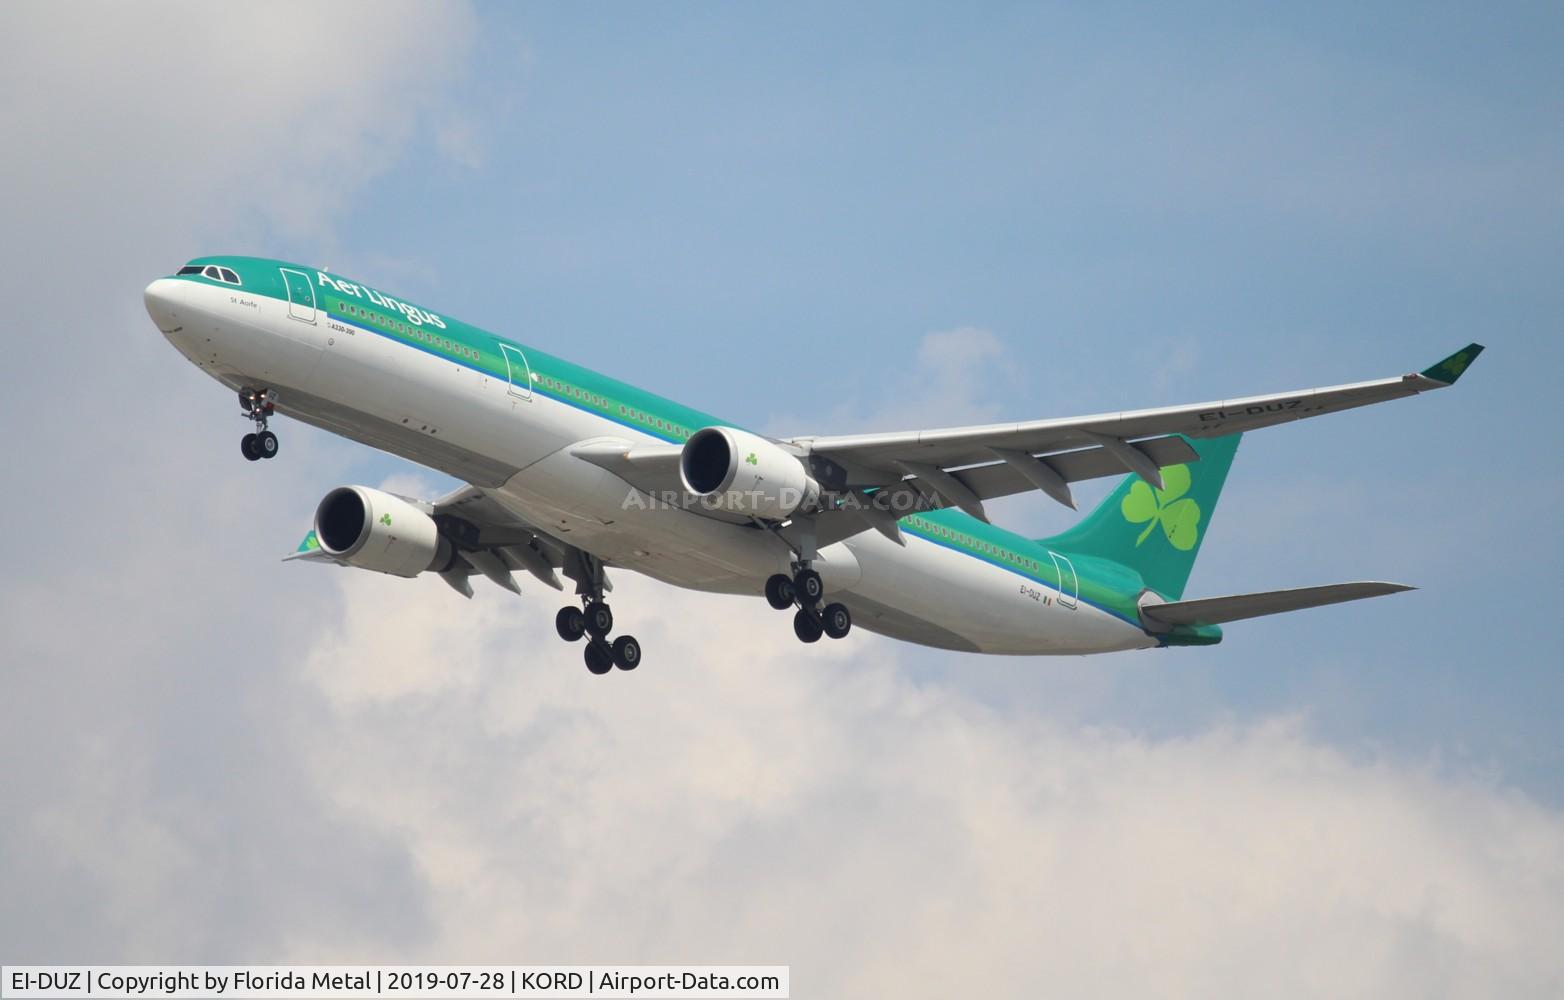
[{"x": 515, "y": 444}]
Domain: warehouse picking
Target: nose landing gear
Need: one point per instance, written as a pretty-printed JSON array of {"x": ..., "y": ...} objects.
[{"x": 258, "y": 405}]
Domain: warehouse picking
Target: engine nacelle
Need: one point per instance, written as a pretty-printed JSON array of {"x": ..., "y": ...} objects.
[
  {"x": 372, "y": 529},
  {"x": 743, "y": 473}
]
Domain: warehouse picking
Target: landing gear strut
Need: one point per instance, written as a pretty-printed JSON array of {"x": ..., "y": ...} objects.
[
  {"x": 594, "y": 621},
  {"x": 805, "y": 590},
  {"x": 258, "y": 405}
]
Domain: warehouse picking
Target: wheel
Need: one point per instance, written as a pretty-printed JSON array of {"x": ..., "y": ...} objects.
[
  {"x": 836, "y": 620},
  {"x": 247, "y": 446},
  {"x": 808, "y": 586},
  {"x": 599, "y": 620},
  {"x": 779, "y": 592},
  {"x": 806, "y": 626},
  {"x": 599, "y": 659},
  {"x": 627, "y": 652},
  {"x": 266, "y": 444},
  {"x": 570, "y": 623}
]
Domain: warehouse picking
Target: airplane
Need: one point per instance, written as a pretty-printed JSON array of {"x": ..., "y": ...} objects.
[{"x": 570, "y": 472}]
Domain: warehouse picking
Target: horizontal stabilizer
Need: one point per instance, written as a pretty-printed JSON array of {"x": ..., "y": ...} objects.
[{"x": 1217, "y": 610}]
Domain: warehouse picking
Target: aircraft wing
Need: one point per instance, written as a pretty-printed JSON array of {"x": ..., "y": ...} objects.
[
  {"x": 962, "y": 466},
  {"x": 892, "y": 475}
]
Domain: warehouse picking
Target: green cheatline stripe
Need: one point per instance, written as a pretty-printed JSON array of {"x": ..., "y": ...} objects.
[
  {"x": 581, "y": 398},
  {"x": 965, "y": 534},
  {"x": 559, "y": 379}
]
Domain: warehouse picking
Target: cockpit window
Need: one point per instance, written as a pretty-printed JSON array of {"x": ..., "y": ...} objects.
[{"x": 226, "y": 275}]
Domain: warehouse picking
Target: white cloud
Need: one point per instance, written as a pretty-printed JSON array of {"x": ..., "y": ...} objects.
[
  {"x": 965, "y": 366},
  {"x": 150, "y": 121},
  {"x": 743, "y": 798},
  {"x": 961, "y": 376}
]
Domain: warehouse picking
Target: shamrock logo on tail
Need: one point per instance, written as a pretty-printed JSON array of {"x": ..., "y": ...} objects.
[{"x": 1180, "y": 518}]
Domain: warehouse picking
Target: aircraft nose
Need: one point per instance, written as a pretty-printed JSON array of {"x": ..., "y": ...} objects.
[{"x": 160, "y": 300}]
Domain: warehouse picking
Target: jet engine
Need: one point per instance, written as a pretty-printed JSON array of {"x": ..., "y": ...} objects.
[
  {"x": 374, "y": 530},
  {"x": 743, "y": 473}
]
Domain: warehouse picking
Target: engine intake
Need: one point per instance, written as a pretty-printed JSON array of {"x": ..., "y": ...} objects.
[
  {"x": 375, "y": 530},
  {"x": 743, "y": 473}
]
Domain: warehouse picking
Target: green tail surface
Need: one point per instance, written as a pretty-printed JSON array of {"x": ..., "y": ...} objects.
[{"x": 1157, "y": 533}]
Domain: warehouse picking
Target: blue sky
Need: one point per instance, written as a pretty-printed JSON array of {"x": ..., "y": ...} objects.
[
  {"x": 762, "y": 213},
  {"x": 806, "y": 219}
]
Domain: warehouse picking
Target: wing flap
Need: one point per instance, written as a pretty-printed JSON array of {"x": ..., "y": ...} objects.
[
  {"x": 1237, "y": 607},
  {"x": 1003, "y": 479}
]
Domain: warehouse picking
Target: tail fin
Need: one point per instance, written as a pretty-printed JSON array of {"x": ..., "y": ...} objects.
[{"x": 1157, "y": 533}]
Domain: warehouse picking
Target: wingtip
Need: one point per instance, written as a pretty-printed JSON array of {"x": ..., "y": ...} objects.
[
  {"x": 1388, "y": 587},
  {"x": 1451, "y": 368}
]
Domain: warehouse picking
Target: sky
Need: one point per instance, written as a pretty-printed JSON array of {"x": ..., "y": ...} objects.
[{"x": 808, "y": 220}]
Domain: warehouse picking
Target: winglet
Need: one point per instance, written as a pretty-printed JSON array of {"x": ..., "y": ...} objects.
[{"x": 1450, "y": 369}]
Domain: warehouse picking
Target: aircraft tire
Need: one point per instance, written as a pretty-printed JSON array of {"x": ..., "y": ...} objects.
[
  {"x": 836, "y": 620},
  {"x": 627, "y": 652},
  {"x": 779, "y": 592},
  {"x": 570, "y": 623},
  {"x": 806, "y": 626},
  {"x": 598, "y": 658},
  {"x": 809, "y": 587},
  {"x": 599, "y": 620}
]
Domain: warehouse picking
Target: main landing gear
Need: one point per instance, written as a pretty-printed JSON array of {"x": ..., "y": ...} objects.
[
  {"x": 257, "y": 405},
  {"x": 805, "y": 590},
  {"x": 594, "y": 620}
]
